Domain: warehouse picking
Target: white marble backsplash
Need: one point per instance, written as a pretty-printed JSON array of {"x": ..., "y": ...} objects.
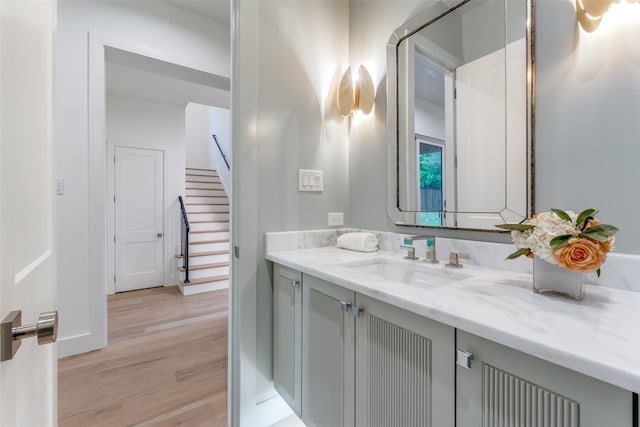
[{"x": 620, "y": 270}]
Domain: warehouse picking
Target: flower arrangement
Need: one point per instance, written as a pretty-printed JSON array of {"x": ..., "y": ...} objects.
[{"x": 577, "y": 242}]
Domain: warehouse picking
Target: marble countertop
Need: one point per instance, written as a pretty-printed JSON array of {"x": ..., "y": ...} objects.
[{"x": 598, "y": 336}]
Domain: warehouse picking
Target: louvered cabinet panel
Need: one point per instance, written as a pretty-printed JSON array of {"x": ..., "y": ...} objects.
[
  {"x": 404, "y": 369},
  {"x": 508, "y": 388}
]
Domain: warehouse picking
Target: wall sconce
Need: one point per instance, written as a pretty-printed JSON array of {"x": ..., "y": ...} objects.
[
  {"x": 590, "y": 12},
  {"x": 356, "y": 95}
]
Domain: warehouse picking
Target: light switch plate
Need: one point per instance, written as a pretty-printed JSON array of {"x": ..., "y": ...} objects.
[
  {"x": 310, "y": 180},
  {"x": 335, "y": 219}
]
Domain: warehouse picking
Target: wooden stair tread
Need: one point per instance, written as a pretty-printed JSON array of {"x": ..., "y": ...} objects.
[
  {"x": 210, "y": 241},
  {"x": 206, "y": 189},
  {"x": 208, "y": 231},
  {"x": 200, "y": 169},
  {"x": 206, "y": 280},
  {"x": 187, "y": 196},
  {"x": 205, "y": 204},
  {"x": 198, "y": 254},
  {"x": 204, "y": 182},
  {"x": 217, "y": 221},
  {"x": 201, "y": 175},
  {"x": 214, "y": 212},
  {"x": 205, "y": 266}
]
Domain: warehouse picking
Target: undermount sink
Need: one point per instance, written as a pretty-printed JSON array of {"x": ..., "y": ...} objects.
[{"x": 411, "y": 273}]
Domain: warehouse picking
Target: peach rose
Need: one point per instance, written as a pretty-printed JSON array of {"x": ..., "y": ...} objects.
[{"x": 584, "y": 255}]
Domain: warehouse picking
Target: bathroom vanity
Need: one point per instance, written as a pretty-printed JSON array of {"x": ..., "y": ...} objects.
[{"x": 357, "y": 344}]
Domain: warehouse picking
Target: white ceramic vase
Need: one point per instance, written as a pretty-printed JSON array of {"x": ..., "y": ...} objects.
[{"x": 552, "y": 279}]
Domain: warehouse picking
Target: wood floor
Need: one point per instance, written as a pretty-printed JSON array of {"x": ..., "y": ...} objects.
[{"x": 165, "y": 365}]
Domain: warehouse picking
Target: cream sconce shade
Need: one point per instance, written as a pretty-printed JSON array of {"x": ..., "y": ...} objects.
[
  {"x": 590, "y": 12},
  {"x": 358, "y": 95}
]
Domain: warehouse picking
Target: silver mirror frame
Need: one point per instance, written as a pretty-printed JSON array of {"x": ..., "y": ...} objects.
[{"x": 408, "y": 218}]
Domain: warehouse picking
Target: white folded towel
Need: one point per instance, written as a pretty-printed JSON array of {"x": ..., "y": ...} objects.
[{"x": 361, "y": 241}]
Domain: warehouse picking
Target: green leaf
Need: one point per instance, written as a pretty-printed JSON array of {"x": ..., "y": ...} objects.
[
  {"x": 598, "y": 272},
  {"x": 561, "y": 214},
  {"x": 518, "y": 253},
  {"x": 516, "y": 227},
  {"x": 559, "y": 241},
  {"x": 603, "y": 229},
  {"x": 595, "y": 236},
  {"x": 584, "y": 215}
]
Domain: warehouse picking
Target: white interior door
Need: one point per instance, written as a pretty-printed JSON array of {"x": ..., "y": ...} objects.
[
  {"x": 139, "y": 178},
  {"x": 28, "y": 382}
]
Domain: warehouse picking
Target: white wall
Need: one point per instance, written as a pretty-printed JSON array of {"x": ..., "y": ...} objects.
[
  {"x": 160, "y": 30},
  {"x": 429, "y": 119},
  {"x": 202, "y": 121},
  {"x": 289, "y": 54},
  {"x": 138, "y": 123}
]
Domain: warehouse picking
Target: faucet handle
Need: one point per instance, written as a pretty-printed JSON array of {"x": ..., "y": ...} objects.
[
  {"x": 454, "y": 259},
  {"x": 411, "y": 252}
]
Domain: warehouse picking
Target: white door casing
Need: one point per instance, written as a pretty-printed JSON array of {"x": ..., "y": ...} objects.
[
  {"x": 28, "y": 382},
  {"x": 139, "y": 218}
]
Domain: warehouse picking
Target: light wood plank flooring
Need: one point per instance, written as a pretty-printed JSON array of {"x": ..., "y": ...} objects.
[{"x": 165, "y": 365}]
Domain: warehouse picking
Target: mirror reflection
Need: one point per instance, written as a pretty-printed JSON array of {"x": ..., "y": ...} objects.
[{"x": 461, "y": 115}]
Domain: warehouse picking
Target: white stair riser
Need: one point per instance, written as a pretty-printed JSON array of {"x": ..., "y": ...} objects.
[
  {"x": 207, "y": 208},
  {"x": 207, "y": 259},
  {"x": 214, "y": 235},
  {"x": 208, "y": 217},
  {"x": 207, "y": 200},
  {"x": 205, "y": 192},
  {"x": 200, "y": 171},
  {"x": 204, "y": 185},
  {"x": 206, "y": 272},
  {"x": 199, "y": 226},
  {"x": 200, "y": 178},
  {"x": 209, "y": 247},
  {"x": 204, "y": 287}
]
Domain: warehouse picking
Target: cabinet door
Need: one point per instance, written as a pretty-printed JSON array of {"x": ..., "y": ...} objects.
[
  {"x": 327, "y": 355},
  {"x": 287, "y": 335},
  {"x": 404, "y": 368},
  {"x": 507, "y": 388}
]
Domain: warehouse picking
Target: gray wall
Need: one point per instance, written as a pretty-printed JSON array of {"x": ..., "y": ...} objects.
[
  {"x": 290, "y": 55},
  {"x": 588, "y": 99}
]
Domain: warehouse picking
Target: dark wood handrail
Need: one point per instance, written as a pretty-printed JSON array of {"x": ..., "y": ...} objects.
[
  {"x": 226, "y": 162},
  {"x": 184, "y": 244}
]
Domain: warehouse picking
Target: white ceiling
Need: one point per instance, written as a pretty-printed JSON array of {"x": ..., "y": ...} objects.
[
  {"x": 218, "y": 10},
  {"x": 139, "y": 76}
]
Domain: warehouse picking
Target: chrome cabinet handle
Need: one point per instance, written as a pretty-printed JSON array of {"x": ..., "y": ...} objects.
[
  {"x": 464, "y": 359},
  {"x": 345, "y": 305},
  {"x": 294, "y": 283},
  {"x": 158, "y": 234},
  {"x": 12, "y": 332}
]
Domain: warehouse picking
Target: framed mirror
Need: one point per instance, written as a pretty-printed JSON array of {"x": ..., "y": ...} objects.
[{"x": 460, "y": 106}]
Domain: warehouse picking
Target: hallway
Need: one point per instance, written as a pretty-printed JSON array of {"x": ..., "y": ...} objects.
[{"x": 165, "y": 365}]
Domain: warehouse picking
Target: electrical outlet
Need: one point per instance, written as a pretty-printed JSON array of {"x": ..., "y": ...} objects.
[{"x": 336, "y": 219}]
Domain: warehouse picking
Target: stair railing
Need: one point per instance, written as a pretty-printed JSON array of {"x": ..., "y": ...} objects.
[
  {"x": 184, "y": 246},
  {"x": 226, "y": 162}
]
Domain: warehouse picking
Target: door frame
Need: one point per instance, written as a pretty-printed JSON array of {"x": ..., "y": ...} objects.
[{"x": 111, "y": 216}]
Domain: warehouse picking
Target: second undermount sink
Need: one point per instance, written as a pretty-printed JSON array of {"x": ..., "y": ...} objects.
[{"x": 411, "y": 273}]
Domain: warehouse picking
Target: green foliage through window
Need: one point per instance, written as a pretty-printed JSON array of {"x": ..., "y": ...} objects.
[{"x": 431, "y": 170}]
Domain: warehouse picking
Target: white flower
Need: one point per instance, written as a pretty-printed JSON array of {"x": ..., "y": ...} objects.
[{"x": 547, "y": 226}]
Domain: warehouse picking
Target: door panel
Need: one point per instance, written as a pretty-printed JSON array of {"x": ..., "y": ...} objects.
[
  {"x": 139, "y": 177},
  {"x": 327, "y": 355},
  {"x": 507, "y": 388},
  {"x": 27, "y": 260}
]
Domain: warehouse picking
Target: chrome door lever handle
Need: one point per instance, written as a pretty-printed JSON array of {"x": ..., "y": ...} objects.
[{"x": 12, "y": 332}]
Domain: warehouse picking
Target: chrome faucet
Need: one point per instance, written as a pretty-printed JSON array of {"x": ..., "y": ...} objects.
[
  {"x": 454, "y": 259},
  {"x": 430, "y": 255}
]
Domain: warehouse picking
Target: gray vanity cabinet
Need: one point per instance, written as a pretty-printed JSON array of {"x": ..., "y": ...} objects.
[
  {"x": 404, "y": 369},
  {"x": 287, "y": 335},
  {"x": 327, "y": 355},
  {"x": 508, "y": 388},
  {"x": 394, "y": 367}
]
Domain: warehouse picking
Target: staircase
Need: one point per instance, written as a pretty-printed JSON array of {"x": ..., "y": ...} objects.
[{"x": 207, "y": 208}]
